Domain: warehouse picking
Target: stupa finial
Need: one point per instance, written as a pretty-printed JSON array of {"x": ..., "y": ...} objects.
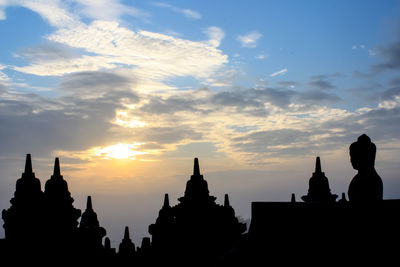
[
  {"x": 57, "y": 172},
  {"x": 226, "y": 201},
  {"x": 318, "y": 165},
  {"x": 28, "y": 164},
  {"x": 196, "y": 168},
  {"x": 166, "y": 200},
  {"x": 126, "y": 233},
  {"x": 89, "y": 203}
]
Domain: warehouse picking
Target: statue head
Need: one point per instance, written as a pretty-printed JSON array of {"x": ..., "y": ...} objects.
[{"x": 362, "y": 153}]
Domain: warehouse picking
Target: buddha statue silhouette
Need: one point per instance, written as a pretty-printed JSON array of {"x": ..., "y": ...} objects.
[{"x": 367, "y": 185}]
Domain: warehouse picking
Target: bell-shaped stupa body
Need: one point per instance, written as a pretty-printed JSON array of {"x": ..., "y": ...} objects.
[
  {"x": 163, "y": 230},
  {"x": 62, "y": 216},
  {"x": 24, "y": 219},
  {"x": 91, "y": 233},
  {"x": 126, "y": 247},
  {"x": 197, "y": 188},
  {"x": 28, "y": 187},
  {"x": 56, "y": 188},
  {"x": 319, "y": 190}
]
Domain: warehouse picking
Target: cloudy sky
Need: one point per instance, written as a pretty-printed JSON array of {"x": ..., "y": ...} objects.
[{"x": 127, "y": 93}]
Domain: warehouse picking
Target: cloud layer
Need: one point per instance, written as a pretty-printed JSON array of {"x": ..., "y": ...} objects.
[{"x": 114, "y": 85}]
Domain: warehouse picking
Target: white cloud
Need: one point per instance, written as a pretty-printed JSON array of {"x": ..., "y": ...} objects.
[
  {"x": 3, "y": 76},
  {"x": 191, "y": 13},
  {"x": 354, "y": 47},
  {"x": 260, "y": 56},
  {"x": 64, "y": 66},
  {"x": 59, "y": 14},
  {"x": 250, "y": 39},
  {"x": 7, "y": 83},
  {"x": 108, "y": 9},
  {"x": 215, "y": 35},
  {"x": 154, "y": 55},
  {"x": 186, "y": 12},
  {"x": 281, "y": 72},
  {"x": 53, "y": 11},
  {"x": 2, "y": 14}
]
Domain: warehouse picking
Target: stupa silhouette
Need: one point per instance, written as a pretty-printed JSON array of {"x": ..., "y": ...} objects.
[
  {"x": 197, "y": 227},
  {"x": 319, "y": 190}
]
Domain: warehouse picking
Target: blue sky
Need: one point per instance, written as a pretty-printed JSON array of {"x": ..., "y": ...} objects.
[
  {"x": 306, "y": 38},
  {"x": 126, "y": 93}
]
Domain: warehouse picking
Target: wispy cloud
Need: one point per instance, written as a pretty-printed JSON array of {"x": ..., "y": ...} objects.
[
  {"x": 354, "y": 47},
  {"x": 250, "y": 39},
  {"x": 54, "y": 12},
  {"x": 184, "y": 11},
  {"x": 281, "y": 72},
  {"x": 215, "y": 35},
  {"x": 261, "y": 56},
  {"x": 156, "y": 56},
  {"x": 60, "y": 14},
  {"x": 108, "y": 9},
  {"x": 3, "y": 76},
  {"x": 2, "y": 14}
]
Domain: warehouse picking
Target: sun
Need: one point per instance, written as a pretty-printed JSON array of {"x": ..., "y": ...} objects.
[{"x": 118, "y": 151}]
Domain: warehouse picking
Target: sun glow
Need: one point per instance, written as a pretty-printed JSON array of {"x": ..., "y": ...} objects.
[
  {"x": 118, "y": 151},
  {"x": 125, "y": 119}
]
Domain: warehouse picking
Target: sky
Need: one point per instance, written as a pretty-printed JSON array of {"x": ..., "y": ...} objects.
[{"x": 127, "y": 93}]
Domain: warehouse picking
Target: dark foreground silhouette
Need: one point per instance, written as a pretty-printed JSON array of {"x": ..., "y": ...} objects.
[{"x": 42, "y": 228}]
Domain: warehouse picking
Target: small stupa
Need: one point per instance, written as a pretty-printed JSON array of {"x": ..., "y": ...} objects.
[
  {"x": 126, "y": 247},
  {"x": 197, "y": 188},
  {"x": 319, "y": 190}
]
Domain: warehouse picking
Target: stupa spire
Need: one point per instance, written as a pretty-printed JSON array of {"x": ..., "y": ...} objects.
[
  {"x": 28, "y": 164},
  {"x": 126, "y": 233},
  {"x": 89, "y": 203},
  {"x": 57, "y": 172},
  {"x": 226, "y": 201},
  {"x": 318, "y": 166},
  {"x": 196, "y": 168},
  {"x": 166, "y": 201}
]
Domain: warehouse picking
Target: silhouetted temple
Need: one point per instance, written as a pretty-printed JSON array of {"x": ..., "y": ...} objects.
[
  {"x": 323, "y": 231},
  {"x": 47, "y": 221},
  {"x": 197, "y": 227},
  {"x": 44, "y": 227}
]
